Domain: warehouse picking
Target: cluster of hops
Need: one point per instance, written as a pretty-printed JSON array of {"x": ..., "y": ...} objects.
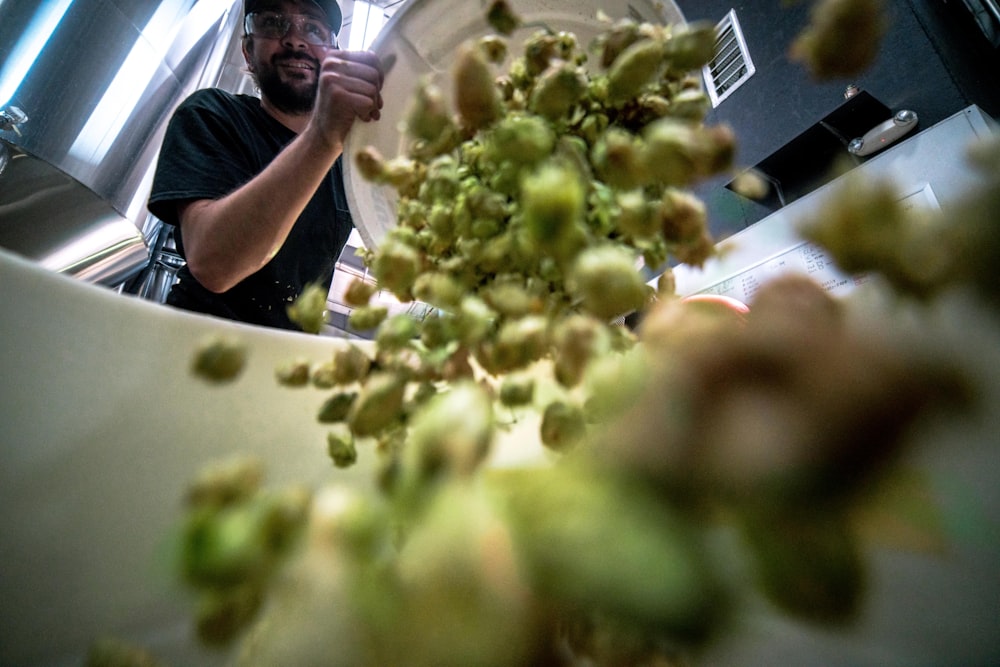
[
  {"x": 234, "y": 536},
  {"x": 555, "y": 156},
  {"x": 527, "y": 209},
  {"x": 523, "y": 216}
]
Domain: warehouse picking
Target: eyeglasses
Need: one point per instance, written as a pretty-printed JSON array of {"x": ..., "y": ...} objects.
[{"x": 272, "y": 25}]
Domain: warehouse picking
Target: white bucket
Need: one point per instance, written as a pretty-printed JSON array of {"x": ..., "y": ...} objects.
[{"x": 421, "y": 40}]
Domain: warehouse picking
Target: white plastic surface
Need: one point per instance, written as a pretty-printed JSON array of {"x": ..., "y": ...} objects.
[
  {"x": 420, "y": 40},
  {"x": 102, "y": 425}
]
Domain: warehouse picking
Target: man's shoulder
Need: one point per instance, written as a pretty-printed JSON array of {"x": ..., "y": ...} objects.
[{"x": 217, "y": 99}]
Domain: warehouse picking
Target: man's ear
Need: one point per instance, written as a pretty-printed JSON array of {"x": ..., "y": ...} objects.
[{"x": 247, "y": 46}]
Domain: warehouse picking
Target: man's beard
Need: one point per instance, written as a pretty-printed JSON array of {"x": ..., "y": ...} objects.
[{"x": 285, "y": 96}]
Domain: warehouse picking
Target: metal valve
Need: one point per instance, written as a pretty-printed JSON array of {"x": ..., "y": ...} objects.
[{"x": 11, "y": 117}]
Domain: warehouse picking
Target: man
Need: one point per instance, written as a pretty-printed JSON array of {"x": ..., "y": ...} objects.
[{"x": 255, "y": 186}]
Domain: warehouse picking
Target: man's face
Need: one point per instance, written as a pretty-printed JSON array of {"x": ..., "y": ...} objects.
[{"x": 287, "y": 68}]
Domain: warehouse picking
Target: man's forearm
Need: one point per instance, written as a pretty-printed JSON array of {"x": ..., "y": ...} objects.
[{"x": 228, "y": 239}]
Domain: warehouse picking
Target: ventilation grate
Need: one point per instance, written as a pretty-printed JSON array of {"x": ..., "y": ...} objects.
[{"x": 731, "y": 66}]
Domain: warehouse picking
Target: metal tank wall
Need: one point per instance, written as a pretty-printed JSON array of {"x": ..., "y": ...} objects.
[{"x": 86, "y": 90}]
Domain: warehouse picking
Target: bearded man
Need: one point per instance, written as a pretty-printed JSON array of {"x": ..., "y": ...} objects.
[{"x": 255, "y": 185}]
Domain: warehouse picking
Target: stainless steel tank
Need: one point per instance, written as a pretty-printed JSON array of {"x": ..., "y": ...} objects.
[{"x": 86, "y": 89}]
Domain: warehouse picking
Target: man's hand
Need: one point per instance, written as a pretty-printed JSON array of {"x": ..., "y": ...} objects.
[{"x": 350, "y": 88}]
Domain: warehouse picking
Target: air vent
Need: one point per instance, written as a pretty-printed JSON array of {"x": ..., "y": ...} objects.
[{"x": 731, "y": 66}]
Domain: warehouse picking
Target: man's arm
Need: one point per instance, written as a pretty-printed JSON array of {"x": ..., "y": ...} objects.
[{"x": 228, "y": 239}]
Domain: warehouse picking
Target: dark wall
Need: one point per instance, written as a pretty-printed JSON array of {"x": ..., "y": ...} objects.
[{"x": 933, "y": 60}]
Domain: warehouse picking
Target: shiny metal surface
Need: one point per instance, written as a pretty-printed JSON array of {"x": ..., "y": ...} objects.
[
  {"x": 56, "y": 221},
  {"x": 97, "y": 80}
]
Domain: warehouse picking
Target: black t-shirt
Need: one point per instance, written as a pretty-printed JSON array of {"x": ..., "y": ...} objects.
[{"x": 216, "y": 142}]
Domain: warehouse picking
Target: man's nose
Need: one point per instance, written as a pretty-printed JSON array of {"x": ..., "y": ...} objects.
[{"x": 294, "y": 37}]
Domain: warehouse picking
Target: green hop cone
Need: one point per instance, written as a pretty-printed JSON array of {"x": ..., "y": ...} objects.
[
  {"x": 607, "y": 282},
  {"x": 590, "y": 540},
  {"x": 557, "y": 90},
  {"x": 309, "y": 309},
  {"x": 350, "y": 364},
  {"x": 691, "y": 46},
  {"x": 552, "y": 201},
  {"x": 670, "y": 152},
  {"x": 462, "y": 601},
  {"x": 843, "y": 38},
  {"x": 451, "y": 434},
  {"x": 321, "y": 375},
  {"x": 576, "y": 340},
  {"x": 635, "y": 215},
  {"x": 367, "y": 318},
  {"x": 690, "y": 105},
  {"x": 378, "y": 406},
  {"x": 439, "y": 290},
  {"x": 219, "y": 359},
  {"x": 396, "y": 266},
  {"x": 340, "y": 447},
  {"x": 520, "y": 342},
  {"x": 616, "y": 39},
  {"x": 223, "y": 614},
  {"x": 509, "y": 298},
  {"x": 502, "y": 17},
  {"x": 678, "y": 153},
  {"x": 476, "y": 95},
  {"x": 682, "y": 217},
  {"x": 522, "y": 139},
  {"x": 337, "y": 407},
  {"x": 428, "y": 118},
  {"x": 294, "y": 373},
  {"x": 359, "y": 292},
  {"x": 635, "y": 67},
  {"x": 474, "y": 320},
  {"x": 225, "y": 482},
  {"x": 517, "y": 390},
  {"x": 493, "y": 47},
  {"x": 224, "y": 547},
  {"x": 618, "y": 159},
  {"x": 370, "y": 164},
  {"x": 396, "y": 332},
  {"x": 809, "y": 564},
  {"x": 562, "y": 426}
]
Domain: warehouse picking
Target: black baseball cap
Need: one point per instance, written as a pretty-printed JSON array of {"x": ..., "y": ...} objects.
[{"x": 330, "y": 7}]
